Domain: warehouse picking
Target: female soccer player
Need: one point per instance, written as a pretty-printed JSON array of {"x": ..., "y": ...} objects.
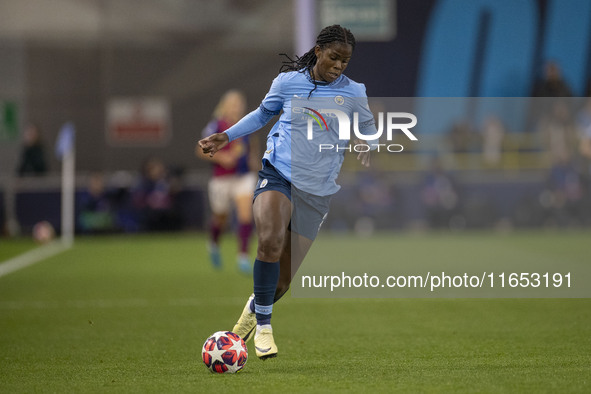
[
  {"x": 232, "y": 182},
  {"x": 284, "y": 204}
]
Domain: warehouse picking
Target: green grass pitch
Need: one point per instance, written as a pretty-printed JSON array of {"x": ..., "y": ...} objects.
[{"x": 129, "y": 314}]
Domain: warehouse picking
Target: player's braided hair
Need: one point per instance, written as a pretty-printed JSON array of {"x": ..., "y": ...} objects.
[{"x": 305, "y": 63}]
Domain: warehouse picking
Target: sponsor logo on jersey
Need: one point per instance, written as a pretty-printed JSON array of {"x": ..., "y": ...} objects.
[{"x": 315, "y": 115}]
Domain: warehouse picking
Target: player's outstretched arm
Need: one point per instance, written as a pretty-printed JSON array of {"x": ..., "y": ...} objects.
[{"x": 210, "y": 145}]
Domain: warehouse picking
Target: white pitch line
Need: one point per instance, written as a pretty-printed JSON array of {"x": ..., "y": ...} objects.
[
  {"x": 32, "y": 257},
  {"x": 119, "y": 303}
]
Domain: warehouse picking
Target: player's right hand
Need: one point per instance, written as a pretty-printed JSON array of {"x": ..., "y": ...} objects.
[{"x": 213, "y": 143}]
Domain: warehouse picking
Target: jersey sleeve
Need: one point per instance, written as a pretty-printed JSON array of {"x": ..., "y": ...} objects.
[
  {"x": 271, "y": 106},
  {"x": 273, "y": 101},
  {"x": 367, "y": 123}
]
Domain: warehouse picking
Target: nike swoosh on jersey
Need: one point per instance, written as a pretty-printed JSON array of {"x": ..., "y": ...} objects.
[
  {"x": 262, "y": 350},
  {"x": 269, "y": 151}
]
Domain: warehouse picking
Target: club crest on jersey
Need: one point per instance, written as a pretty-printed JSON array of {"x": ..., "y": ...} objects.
[
  {"x": 263, "y": 183},
  {"x": 340, "y": 100}
]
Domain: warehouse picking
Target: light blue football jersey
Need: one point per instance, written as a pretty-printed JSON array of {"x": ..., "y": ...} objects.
[{"x": 289, "y": 147}]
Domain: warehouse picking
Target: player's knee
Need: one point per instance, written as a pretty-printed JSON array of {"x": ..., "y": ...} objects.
[{"x": 270, "y": 247}]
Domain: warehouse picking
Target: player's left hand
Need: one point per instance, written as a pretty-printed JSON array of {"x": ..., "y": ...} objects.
[{"x": 363, "y": 156}]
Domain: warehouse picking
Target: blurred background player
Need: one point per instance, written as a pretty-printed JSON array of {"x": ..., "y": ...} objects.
[
  {"x": 32, "y": 160},
  {"x": 285, "y": 205},
  {"x": 552, "y": 83},
  {"x": 154, "y": 197},
  {"x": 232, "y": 182},
  {"x": 95, "y": 207}
]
